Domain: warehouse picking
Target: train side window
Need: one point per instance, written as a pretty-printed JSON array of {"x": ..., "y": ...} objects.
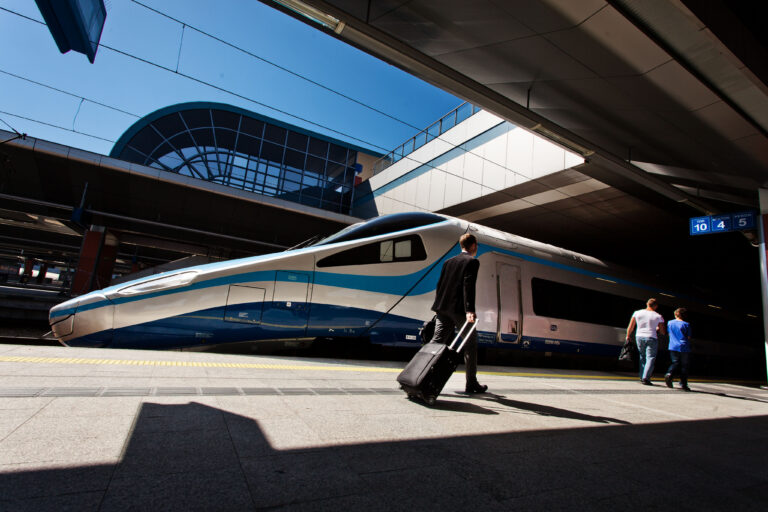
[
  {"x": 385, "y": 251},
  {"x": 569, "y": 302},
  {"x": 394, "y": 250},
  {"x": 403, "y": 249}
]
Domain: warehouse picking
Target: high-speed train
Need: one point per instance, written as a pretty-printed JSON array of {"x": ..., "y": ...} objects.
[{"x": 377, "y": 280}]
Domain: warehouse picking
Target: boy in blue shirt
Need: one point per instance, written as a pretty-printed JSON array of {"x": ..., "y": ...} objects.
[{"x": 679, "y": 348}]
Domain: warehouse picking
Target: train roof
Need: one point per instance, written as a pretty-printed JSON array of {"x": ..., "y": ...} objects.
[
  {"x": 384, "y": 224},
  {"x": 537, "y": 248},
  {"x": 392, "y": 223}
]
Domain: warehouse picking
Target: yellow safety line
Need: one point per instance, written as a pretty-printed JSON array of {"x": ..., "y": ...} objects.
[{"x": 266, "y": 366}]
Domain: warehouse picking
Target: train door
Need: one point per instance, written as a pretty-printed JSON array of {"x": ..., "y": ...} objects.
[
  {"x": 509, "y": 297},
  {"x": 287, "y": 314}
]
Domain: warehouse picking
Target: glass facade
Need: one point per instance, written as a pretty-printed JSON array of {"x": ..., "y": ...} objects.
[{"x": 227, "y": 146}]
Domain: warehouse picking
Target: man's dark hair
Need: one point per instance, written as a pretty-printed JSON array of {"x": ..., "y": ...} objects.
[
  {"x": 651, "y": 303},
  {"x": 467, "y": 240}
]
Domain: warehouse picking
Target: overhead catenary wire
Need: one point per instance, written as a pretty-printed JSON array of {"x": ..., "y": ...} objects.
[
  {"x": 203, "y": 82},
  {"x": 242, "y": 97},
  {"x": 274, "y": 64},
  {"x": 256, "y": 102},
  {"x": 68, "y": 93},
  {"x": 14, "y": 130},
  {"x": 79, "y": 106},
  {"x": 186, "y": 25},
  {"x": 18, "y": 135},
  {"x": 55, "y": 126},
  {"x": 280, "y": 111},
  {"x": 78, "y": 96},
  {"x": 453, "y": 145}
]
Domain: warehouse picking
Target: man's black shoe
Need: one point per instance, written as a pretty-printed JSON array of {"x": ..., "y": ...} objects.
[
  {"x": 668, "y": 380},
  {"x": 647, "y": 382},
  {"x": 475, "y": 388}
]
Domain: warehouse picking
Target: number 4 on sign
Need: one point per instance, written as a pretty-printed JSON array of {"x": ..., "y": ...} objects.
[{"x": 721, "y": 223}]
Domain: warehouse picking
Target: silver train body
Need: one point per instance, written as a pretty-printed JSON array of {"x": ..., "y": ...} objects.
[{"x": 373, "y": 280}]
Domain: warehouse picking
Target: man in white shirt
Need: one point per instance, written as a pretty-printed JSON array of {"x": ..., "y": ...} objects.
[{"x": 648, "y": 323}]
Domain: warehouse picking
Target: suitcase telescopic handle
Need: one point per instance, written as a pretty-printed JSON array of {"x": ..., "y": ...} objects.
[{"x": 466, "y": 338}]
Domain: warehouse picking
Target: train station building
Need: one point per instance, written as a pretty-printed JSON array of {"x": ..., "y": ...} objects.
[
  {"x": 191, "y": 182},
  {"x": 244, "y": 150}
]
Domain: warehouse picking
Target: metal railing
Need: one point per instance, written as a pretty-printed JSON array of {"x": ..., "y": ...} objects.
[{"x": 442, "y": 125}]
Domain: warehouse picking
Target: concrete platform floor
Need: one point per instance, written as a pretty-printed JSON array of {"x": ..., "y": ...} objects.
[{"x": 90, "y": 429}]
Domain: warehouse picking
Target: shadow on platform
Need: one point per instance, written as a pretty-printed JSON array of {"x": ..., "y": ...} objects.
[
  {"x": 545, "y": 410},
  {"x": 196, "y": 457}
]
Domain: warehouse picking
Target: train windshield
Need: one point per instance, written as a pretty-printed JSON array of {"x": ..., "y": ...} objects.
[{"x": 383, "y": 225}]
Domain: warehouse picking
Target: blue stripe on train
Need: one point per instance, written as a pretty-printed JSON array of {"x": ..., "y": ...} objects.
[
  {"x": 263, "y": 321},
  {"x": 393, "y": 285},
  {"x": 208, "y": 327}
]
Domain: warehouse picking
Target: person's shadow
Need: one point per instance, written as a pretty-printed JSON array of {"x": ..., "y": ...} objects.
[
  {"x": 446, "y": 405},
  {"x": 726, "y": 395},
  {"x": 542, "y": 410},
  {"x": 545, "y": 410}
]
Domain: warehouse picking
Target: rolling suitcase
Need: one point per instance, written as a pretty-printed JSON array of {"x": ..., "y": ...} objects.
[{"x": 426, "y": 374}]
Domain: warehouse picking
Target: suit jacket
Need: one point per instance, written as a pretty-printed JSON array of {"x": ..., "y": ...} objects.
[{"x": 455, "y": 292}]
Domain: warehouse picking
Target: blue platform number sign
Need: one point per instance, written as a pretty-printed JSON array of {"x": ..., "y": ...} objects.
[
  {"x": 721, "y": 223},
  {"x": 744, "y": 220},
  {"x": 700, "y": 225}
]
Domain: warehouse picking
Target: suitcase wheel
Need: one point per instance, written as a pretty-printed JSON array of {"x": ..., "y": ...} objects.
[{"x": 430, "y": 400}]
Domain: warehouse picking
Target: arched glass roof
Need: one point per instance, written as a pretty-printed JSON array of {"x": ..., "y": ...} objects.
[{"x": 234, "y": 147}]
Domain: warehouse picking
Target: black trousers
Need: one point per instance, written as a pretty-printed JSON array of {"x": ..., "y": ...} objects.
[
  {"x": 679, "y": 360},
  {"x": 445, "y": 331}
]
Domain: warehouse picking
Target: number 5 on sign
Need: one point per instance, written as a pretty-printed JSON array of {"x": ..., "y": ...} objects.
[
  {"x": 700, "y": 225},
  {"x": 745, "y": 220}
]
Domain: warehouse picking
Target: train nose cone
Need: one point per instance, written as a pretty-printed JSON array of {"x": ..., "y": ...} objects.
[
  {"x": 61, "y": 318},
  {"x": 62, "y": 326}
]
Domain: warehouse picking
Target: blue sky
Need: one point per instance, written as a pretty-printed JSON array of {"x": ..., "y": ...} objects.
[{"x": 118, "y": 89}]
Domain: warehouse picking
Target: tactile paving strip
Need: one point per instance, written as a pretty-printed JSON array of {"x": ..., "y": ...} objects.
[{"x": 188, "y": 391}]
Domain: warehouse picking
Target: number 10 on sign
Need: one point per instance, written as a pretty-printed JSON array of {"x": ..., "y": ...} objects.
[{"x": 700, "y": 225}]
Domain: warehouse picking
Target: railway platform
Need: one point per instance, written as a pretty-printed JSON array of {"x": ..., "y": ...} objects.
[{"x": 107, "y": 430}]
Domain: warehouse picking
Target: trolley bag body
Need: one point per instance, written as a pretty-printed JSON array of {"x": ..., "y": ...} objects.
[{"x": 426, "y": 374}]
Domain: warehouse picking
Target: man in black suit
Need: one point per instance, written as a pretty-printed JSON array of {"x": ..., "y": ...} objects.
[{"x": 455, "y": 303}]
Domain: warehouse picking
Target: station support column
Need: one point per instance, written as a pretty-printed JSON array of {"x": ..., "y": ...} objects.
[
  {"x": 42, "y": 272},
  {"x": 762, "y": 232},
  {"x": 97, "y": 259},
  {"x": 29, "y": 265}
]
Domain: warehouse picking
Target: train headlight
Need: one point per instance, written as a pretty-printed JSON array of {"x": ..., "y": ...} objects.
[{"x": 160, "y": 283}]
